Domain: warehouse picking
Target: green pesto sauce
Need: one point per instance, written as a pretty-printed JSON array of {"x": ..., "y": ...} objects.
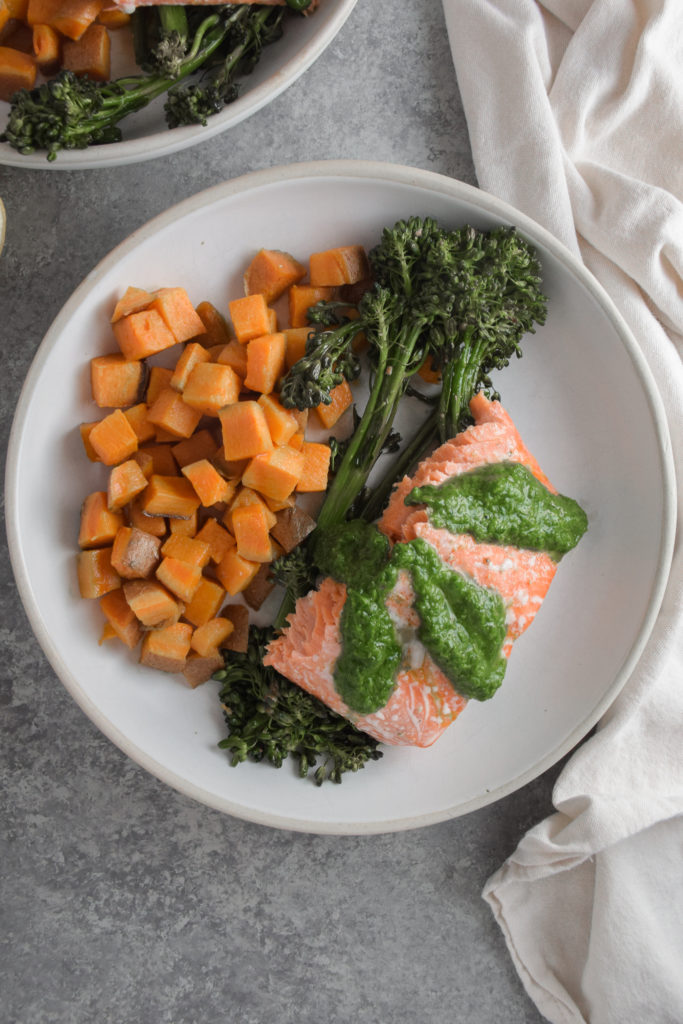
[
  {"x": 504, "y": 503},
  {"x": 462, "y": 624}
]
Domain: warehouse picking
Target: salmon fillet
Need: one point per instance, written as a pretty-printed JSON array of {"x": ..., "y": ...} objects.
[{"x": 423, "y": 703}]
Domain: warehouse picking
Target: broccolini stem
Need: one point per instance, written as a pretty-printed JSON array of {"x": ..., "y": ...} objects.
[
  {"x": 173, "y": 18},
  {"x": 459, "y": 382},
  {"x": 422, "y": 442}
]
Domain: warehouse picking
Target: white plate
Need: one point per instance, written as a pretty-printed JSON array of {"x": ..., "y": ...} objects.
[
  {"x": 145, "y": 134},
  {"x": 582, "y": 398}
]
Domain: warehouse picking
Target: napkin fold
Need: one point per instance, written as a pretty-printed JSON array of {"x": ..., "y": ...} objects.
[{"x": 575, "y": 115}]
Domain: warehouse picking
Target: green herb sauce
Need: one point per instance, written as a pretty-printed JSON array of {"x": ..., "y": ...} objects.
[{"x": 504, "y": 503}]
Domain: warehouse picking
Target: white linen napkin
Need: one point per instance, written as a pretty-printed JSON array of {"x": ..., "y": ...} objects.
[{"x": 575, "y": 115}]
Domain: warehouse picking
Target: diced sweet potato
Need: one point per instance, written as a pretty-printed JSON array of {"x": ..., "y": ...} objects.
[
  {"x": 271, "y": 273},
  {"x": 238, "y": 640},
  {"x": 181, "y": 578},
  {"x": 172, "y": 496},
  {"x": 199, "y": 668},
  {"x": 292, "y": 527},
  {"x": 209, "y": 637},
  {"x": 210, "y": 387},
  {"x": 245, "y": 430},
  {"x": 211, "y": 488},
  {"x": 152, "y": 603},
  {"x": 176, "y": 310},
  {"x": 234, "y": 355},
  {"x": 113, "y": 439},
  {"x": 251, "y": 317},
  {"x": 235, "y": 573},
  {"x": 341, "y": 399},
  {"x": 216, "y": 537},
  {"x": 125, "y": 481},
  {"x": 163, "y": 460},
  {"x": 132, "y": 301},
  {"x": 159, "y": 378},
  {"x": 215, "y": 326},
  {"x": 275, "y": 473},
  {"x": 247, "y": 496},
  {"x": 205, "y": 603},
  {"x": 316, "y": 466},
  {"x": 187, "y": 549},
  {"x": 250, "y": 527},
  {"x": 265, "y": 362},
  {"x": 346, "y": 264},
  {"x": 142, "y": 334},
  {"x": 260, "y": 587},
  {"x": 184, "y": 527},
  {"x": 201, "y": 445},
  {"x": 295, "y": 344},
  {"x": 135, "y": 553},
  {"x": 90, "y": 54},
  {"x": 47, "y": 48},
  {"x": 137, "y": 417},
  {"x": 95, "y": 573},
  {"x": 121, "y": 617},
  {"x": 302, "y": 297},
  {"x": 172, "y": 414},
  {"x": 99, "y": 525},
  {"x": 281, "y": 423},
  {"x": 192, "y": 354},
  {"x": 71, "y": 18},
  {"x": 167, "y": 648}
]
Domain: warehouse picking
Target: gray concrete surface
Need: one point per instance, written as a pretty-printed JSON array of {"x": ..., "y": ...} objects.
[{"x": 122, "y": 902}]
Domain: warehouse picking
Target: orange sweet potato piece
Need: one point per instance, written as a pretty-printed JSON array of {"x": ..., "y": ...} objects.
[
  {"x": 85, "y": 429},
  {"x": 184, "y": 527},
  {"x": 340, "y": 400},
  {"x": 205, "y": 603},
  {"x": 135, "y": 553},
  {"x": 265, "y": 362},
  {"x": 297, "y": 440},
  {"x": 235, "y": 573},
  {"x": 239, "y": 638},
  {"x": 302, "y": 297},
  {"x": 71, "y": 18},
  {"x": 201, "y": 445},
  {"x": 192, "y": 550},
  {"x": 167, "y": 648},
  {"x": 292, "y": 526},
  {"x": 271, "y": 273},
  {"x": 163, "y": 460},
  {"x": 211, "y": 487},
  {"x": 251, "y": 317},
  {"x": 99, "y": 525},
  {"x": 260, "y": 587},
  {"x": 95, "y": 573},
  {"x": 125, "y": 481},
  {"x": 281, "y": 423},
  {"x": 199, "y": 668},
  {"x": 172, "y": 414},
  {"x": 108, "y": 632},
  {"x": 192, "y": 354},
  {"x": 4, "y": 15},
  {"x": 217, "y": 538},
  {"x": 152, "y": 603},
  {"x": 428, "y": 373},
  {"x": 210, "y": 635},
  {"x": 113, "y": 18},
  {"x": 145, "y": 462},
  {"x": 137, "y": 417},
  {"x": 156, "y": 525},
  {"x": 47, "y": 48},
  {"x": 113, "y": 439},
  {"x": 247, "y": 496},
  {"x": 316, "y": 465},
  {"x": 172, "y": 496},
  {"x": 181, "y": 578},
  {"x": 275, "y": 473},
  {"x": 234, "y": 355},
  {"x": 17, "y": 71},
  {"x": 210, "y": 387},
  {"x": 346, "y": 264},
  {"x": 89, "y": 54},
  {"x": 132, "y": 301},
  {"x": 215, "y": 325},
  {"x": 178, "y": 313},
  {"x": 121, "y": 617},
  {"x": 143, "y": 334},
  {"x": 159, "y": 378},
  {"x": 245, "y": 430},
  {"x": 250, "y": 527},
  {"x": 295, "y": 344}
]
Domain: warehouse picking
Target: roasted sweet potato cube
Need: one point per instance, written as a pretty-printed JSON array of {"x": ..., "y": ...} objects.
[
  {"x": 210, "y": 387},
  {"x": 172, "y": 414},
  {"x": 117, "y": 382},
  {"x": 152, "y": 603},
  {"x": 160, "y": 377},
  {"x": 251, "y": 317},
  {"x": 302, "y": 297},
  {"x": 156, "y": 525},
  {"x": 210, "y": 486},
  {"x": 200, "y": 668},
  {"x": 192, "y": 354},
  {"x": 245, "y": 430},
  {"x": 238, "y": 640},
  {"x": 210, "y": 636},
  {"x": 99, "y": 525},
  {"x": 250, "y": 527},
  {"x": 121, "y": 617},
  {"x": 142, "y": 334},
  {"x": 96, "y": 576},
  {"x": 202, "y": 445},
  {"x": 125, "y": 482},
  {"x": 293, "y": 525},
  {"x": 137, "y": 417},
  {"x": 178, "y": 313},
  {"x": 215, "y": 325},
  {"x": 235, "y": 573},
  {"x": 113, "y": 439},
  {"x": 260, "y": 587},
  {"x": 187, "y": 549},
  {"x": 132, "y": 301},
  {"x": 316, "y": 466},
  {"x": 167, "y": 648},
  {"x": 271, "y": 272},
  {"x": 281, "y": 423},
  {"x": 135, "y": 553},
  {"x": 218, "y": 539},
  {"x": 275, "y": 473},
  {"x": 172, "y": 496},
  {"x": 205, "y": 603},
  {"x": 341, "y": 399},
  {"x": 346, "y": 264},
  {"x": 181, "y": 578},
  {"x": 234, "y": 355},
  {"x": 265, "y": 362},
  {"x": 90, "y": 54}
]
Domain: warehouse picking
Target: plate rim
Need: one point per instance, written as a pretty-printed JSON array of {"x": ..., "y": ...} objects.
[
  {"x": 133, "y": 151},
  {"x": 391, "y": 174}
]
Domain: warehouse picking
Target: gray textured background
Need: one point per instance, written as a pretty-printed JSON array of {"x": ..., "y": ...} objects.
[{"x": 120, "y": 900}]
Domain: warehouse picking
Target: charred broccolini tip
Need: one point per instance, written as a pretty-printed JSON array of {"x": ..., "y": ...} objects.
[
  {"x": 269, "y": 718},
  {"x": 71, "y": 112}
]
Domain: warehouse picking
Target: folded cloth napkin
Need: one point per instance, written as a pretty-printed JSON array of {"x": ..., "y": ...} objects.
[{"x": 575, "y": 115}]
